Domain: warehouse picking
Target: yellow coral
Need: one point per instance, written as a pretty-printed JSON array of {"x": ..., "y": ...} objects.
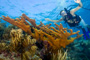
[
  {"x": 34, "y": 48},
  {"x": 59, "y": 55},
  {"x": 28, "y": 44},
  {"x": 16, "y": 36}
]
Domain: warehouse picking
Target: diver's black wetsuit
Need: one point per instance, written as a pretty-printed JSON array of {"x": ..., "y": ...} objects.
[{"x": 71, "y": 20}]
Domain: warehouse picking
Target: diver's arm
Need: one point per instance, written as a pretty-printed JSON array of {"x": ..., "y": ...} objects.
[
  {"x": 47, "y": 19},
  {"x": 77, "y": 8}
]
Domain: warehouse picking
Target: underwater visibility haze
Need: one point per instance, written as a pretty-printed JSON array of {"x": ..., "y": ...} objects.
[{"x": 27, "y": 31}]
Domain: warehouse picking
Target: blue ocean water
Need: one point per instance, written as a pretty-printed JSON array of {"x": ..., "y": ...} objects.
[{"x": 41, "y": 9}]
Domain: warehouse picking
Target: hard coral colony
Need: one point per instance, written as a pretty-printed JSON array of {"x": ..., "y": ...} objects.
[{"x": 56, "y": 37}]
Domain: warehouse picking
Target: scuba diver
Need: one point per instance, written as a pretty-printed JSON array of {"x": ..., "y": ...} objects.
[{"x": 72, "y": 19}]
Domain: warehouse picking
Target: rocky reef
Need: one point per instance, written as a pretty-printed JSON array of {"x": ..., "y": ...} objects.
[{"x": 39, "y": 42}]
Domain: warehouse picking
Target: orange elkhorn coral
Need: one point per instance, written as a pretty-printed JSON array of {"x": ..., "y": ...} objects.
[{"x": 56, "y": 37}]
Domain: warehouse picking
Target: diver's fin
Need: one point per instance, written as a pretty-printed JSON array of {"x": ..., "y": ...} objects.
[
  {"x": 88, "y": 28},
  {"x": 84, "y": 37},
  {"x": 85, "y": 34}
]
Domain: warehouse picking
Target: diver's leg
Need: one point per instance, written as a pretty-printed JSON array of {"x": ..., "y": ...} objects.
[
  {"x": 84, "y": 33},
  {"x": 88, "y": 28},
  {"x": 84, "y": 29},
  {"x": 83, "y": 24}
]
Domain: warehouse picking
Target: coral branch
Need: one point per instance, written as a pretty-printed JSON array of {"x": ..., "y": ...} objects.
[
  {"x": 30, "y": 20},
  {"x": 19, "y": 23}
]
